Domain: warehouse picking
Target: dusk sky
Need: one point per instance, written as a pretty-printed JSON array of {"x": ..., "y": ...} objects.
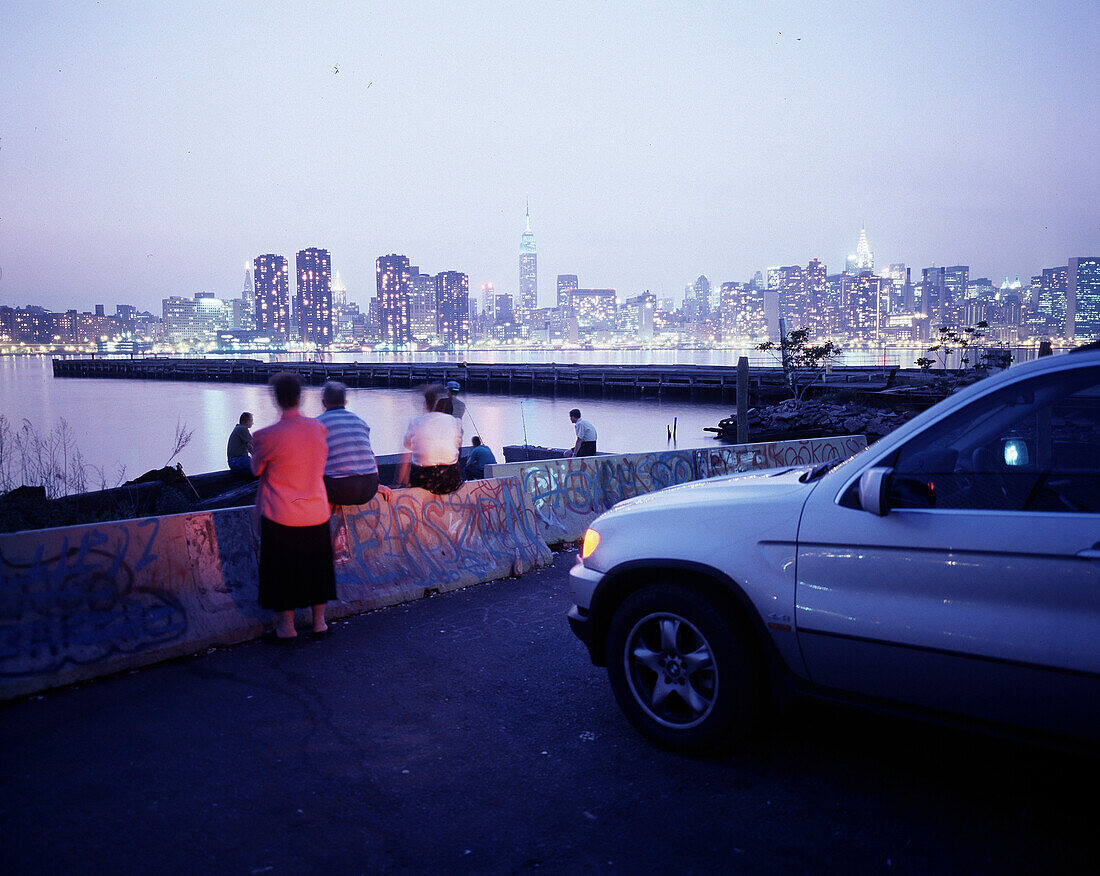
[{"x": 150, "y": 149}]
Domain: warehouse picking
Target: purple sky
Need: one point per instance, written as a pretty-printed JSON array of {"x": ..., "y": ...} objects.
[{"x": 152, "y": 149}]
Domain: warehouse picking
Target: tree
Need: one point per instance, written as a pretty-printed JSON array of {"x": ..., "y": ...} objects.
[
  {"x": 965, "y": 342},
  {"x": 802, "y": 362}
]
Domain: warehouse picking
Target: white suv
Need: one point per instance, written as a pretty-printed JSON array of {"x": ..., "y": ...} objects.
[{"x": 952, "y": 569}]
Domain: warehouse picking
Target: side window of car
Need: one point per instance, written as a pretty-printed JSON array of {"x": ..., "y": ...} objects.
[{"x": 1033, "y": 446}]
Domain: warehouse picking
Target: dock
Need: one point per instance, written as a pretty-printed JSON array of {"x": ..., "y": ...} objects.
[{"x": 698, "y": 382}]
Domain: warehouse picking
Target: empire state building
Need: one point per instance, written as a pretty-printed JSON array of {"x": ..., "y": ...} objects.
[{"x": 528, "y": 268}]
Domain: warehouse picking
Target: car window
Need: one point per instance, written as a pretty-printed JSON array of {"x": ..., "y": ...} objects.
[{"x": 1032, "y": 446}]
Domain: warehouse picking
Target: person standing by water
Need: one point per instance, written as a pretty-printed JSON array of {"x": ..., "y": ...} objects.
[
  {"x": 586, "y": 435},
  {"x": 240, "y": 446},
  {"x": 296, "y": 567},
  {"x": 435, "y": 441},
  {"x": 351, "y": 471},
  {"x": 458, "y": 406}
]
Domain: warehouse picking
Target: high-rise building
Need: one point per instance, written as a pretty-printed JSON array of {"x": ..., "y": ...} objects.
[
  {"x": 595, "y": 308},
  {"x": 488, "y": 300},
  {"x": 452, "y": 308},
  {"x": 742, "y": 308},
  {"x": 422, "y": 311},
  {"x": 636, "y": 316},
  {"x": 861, "y": 304},
  {"x": 898, "y": 274},
  {"x": 566, "y": 284},
  {"x": 502, "y": 309},
  {"x": 528, "y": 268},
  {"x": 393, "y": 299},
  {"x": 933, "y": 294},
  {"x": 700, "y": 293},
  {"x": 313, "y": 302},
  {"x": 195, "y": 320},
  {"x": 272, "y": 285},
  {"x": 863, "y": 259},
  {"x": 1053, "y": 290},
  {"x": 1083, "y": 298},
  {"x": 801, "y": 293}
]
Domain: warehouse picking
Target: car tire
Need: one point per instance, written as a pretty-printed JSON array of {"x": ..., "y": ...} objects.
[{"x": 684, "y": 670}]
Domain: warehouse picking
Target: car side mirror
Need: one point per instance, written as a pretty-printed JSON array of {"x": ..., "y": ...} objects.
[{"x": 874, "y": 490}]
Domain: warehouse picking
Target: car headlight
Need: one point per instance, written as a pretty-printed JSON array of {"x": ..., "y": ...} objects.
[{"x": 591, "y": 542}]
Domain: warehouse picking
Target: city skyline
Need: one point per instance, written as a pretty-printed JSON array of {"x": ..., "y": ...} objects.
[{"x": 148, "y": 152}]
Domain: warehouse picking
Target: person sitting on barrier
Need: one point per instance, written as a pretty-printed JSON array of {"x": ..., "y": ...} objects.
[
  {"x": 296, "y": 563},
  {"x": 586, "y": 435},
  {"x": 479, "y": 457},
  {"x": 351, "y": 471},
  {"x": 240, "y": 446},
  {"x": 435, "y": 439}
]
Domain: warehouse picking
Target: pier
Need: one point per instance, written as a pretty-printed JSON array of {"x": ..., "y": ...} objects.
[{"x": 701, "y": 382}]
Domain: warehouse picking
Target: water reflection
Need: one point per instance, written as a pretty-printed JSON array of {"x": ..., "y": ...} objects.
[{"x": 132, "y": 423}]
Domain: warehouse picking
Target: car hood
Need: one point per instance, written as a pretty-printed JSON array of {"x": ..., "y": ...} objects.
[
  {"x": 769, "y": 485},
  {"x": 704, "y": 522}
]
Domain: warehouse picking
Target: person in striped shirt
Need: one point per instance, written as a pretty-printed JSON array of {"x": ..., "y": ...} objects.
[{"x": 351, "y": 472}]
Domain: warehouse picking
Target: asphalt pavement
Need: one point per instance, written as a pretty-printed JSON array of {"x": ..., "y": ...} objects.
[{"x": 469, "y": 733}]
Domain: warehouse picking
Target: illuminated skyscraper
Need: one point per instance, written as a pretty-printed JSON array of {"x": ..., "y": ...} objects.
[
  {"x": 272, "y": 284},
  {"x": 863, "y": 259},
  {"x": 422, "y": 315},
  {"x": 452, "y": 308},
  {"x": 566, "y": 284},
  {"x": 393, "y": 299},
  {"x": 1053, "y": 298},
  {"x": 1083, "y": 299},
  {"x": 933, "y": 293},
  {"x": 700, "y": 290},
  {"x": 313, "y": 302},
  {"x": 528, "y": 268}
]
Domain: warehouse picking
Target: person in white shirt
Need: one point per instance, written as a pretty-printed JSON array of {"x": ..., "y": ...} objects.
[
  {"x": 586, "y": 435},
  {"x": 435, "y": 440}
]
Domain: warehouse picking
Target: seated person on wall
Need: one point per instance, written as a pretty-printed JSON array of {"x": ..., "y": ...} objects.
[
  {"x": 240, "y": 446},
  {"x": 434, "y": 439},
  {"x": 479, "y": 457},
  {"x": 351, "y": 471},
  {"x": 586, "y": 435}
]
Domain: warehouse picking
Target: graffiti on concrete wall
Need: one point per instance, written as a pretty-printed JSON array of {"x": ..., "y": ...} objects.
[
  {"x": 568, "y": 493},
  {"x": 77, "y": 596},
  {"x": 717, "y": 461},
  {"x": 485, "y": 530}
]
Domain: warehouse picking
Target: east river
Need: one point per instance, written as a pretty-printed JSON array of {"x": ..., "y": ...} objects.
[{"x": 131, "y": 424}]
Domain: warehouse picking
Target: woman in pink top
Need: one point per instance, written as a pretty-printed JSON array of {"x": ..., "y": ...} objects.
[{"x": 296, "y": 568}]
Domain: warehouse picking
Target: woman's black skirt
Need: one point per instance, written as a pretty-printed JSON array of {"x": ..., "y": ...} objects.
[
  {"x": 438, "y": 479},
  {"x": 296, "y": 568}
]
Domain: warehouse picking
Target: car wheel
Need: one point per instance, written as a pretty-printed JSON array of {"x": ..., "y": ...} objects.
[{"x": 684, "y": 671}]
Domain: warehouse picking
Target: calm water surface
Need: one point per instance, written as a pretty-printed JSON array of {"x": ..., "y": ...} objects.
[{"x": 131, "y": 424}]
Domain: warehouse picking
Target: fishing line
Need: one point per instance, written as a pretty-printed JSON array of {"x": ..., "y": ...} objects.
[{"x": 523, "y": 419}]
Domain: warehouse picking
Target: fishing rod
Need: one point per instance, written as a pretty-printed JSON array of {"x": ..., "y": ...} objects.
[{"x": 527, "y": 446}]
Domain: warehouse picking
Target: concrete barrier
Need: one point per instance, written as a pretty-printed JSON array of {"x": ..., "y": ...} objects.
[
  {"x": 83, "y": 601},
  {"x": 730, "y": 459},
  {"x": 568, "y": 494}
]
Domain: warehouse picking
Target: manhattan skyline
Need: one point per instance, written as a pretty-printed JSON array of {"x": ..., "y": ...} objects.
[{"x": 146, "y": 151}]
